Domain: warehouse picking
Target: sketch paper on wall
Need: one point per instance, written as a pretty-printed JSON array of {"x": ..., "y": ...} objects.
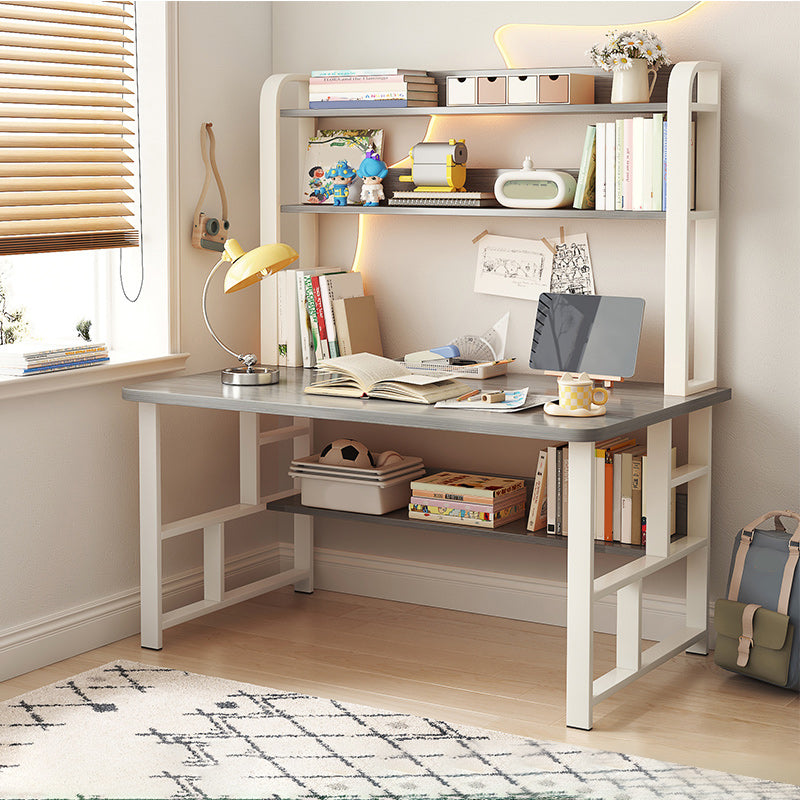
[
  {"x": 513, "y": 267},
  {"x": 572, "y": 266}
]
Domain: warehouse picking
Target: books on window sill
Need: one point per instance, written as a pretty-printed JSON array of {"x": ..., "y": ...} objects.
[
  {"x": 628, "y": 159},
  {"x": 33, "y": 358},
  {"x": 478, "y": 500},
  {"x": 390, "y": 88}
]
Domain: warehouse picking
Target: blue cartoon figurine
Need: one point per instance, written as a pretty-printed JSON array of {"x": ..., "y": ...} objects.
[
  {"x": 373, "y": 171},
  {"x": 342, "y": 175}
]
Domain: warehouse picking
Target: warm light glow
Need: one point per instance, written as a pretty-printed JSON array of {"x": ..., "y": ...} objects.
[
  {"x": 600, "y": 29},
  {"x": 359, "y": 243},
  {"x": 401, "y": 164}
]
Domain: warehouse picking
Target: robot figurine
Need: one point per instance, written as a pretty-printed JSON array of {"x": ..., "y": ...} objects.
[
  {"x": 373, "y": 171},
  {"x": 342, "y": 175}
]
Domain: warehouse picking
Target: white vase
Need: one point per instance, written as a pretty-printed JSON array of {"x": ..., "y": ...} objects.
[{"x": 630, "y": 85}]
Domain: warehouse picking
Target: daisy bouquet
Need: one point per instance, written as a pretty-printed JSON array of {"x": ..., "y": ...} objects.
[{"x": 621, "y": 47}]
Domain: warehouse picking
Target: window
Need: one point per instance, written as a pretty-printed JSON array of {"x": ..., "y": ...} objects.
[{"x": 68, "y": 166}]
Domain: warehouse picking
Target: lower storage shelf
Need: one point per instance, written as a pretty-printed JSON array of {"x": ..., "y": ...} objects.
[{"x": 512, "y": 532}]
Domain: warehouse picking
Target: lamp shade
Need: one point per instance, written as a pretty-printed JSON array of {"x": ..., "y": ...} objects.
[{"x": 251, "y": 267}]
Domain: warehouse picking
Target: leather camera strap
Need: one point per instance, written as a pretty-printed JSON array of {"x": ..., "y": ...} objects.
[{"x": 209, "y": 159}]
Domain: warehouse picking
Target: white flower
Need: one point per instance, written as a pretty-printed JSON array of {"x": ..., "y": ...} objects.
[{"x": 622, "y": 46}]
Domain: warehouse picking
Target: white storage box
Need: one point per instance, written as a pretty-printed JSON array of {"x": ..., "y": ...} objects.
[
  {"x": 523, "y": 89},
  {"x": 362, "y": 497},
  {"x": 462, "y": 90}
]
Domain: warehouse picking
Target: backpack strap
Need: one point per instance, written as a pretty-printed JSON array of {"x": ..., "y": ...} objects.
[
  {"x": 788, "y": 573},
  {"x": 746, "y": 540},
  {"x": 746, "y": 639}
]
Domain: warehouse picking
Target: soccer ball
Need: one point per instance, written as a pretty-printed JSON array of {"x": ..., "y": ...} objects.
[{"x": 346, "y": 453}]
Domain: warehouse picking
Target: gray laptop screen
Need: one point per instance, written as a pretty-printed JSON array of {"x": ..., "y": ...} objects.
[{"x": 587, "y": 333}]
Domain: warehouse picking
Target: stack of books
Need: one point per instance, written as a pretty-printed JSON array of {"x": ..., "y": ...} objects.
[
  {"x": 627, "y": 161},
  {"x": 371, "y": 88},
  {"x": 479, "y": 500},
  {"x": 620, "y": 499},
  {"x": 323, "y": 313},
  {"x": 31, "y": 358}
]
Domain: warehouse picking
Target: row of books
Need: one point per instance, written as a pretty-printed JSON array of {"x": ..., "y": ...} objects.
[
  {"x": 323, "y": 313},
  {"x": 620, "y": 504},
  {"x": 624, "y": 165},
  {"x": 482, "y": 501},
  {"x": 32, "y": 358},
  {"x": 371, "y": 88}
]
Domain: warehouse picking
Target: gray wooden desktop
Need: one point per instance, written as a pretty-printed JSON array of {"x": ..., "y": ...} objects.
[{"x": 632, "y": 407}]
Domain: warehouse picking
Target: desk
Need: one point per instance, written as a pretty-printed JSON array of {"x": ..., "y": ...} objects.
[{"x": 632, "y": 407}]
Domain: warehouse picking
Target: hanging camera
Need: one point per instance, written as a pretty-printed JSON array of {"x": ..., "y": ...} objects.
[{"x": 208, "y": 232}]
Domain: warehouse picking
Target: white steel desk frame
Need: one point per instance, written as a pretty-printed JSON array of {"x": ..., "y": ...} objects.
[{"x": 651, "y": 410}]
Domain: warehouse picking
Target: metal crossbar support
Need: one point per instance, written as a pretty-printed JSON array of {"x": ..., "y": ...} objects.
[{"x": 212, "y": 524}]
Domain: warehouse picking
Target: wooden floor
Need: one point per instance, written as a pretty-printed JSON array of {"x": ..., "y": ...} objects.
[{"x": 466, "y": 668}]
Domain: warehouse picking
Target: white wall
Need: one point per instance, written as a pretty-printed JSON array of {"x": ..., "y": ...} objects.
[
  {"x": 757, "y": 437},
  {"x": 68, "y": 473}
]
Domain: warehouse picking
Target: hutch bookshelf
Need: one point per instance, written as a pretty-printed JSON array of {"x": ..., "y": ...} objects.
[{"x": 689, "y": 389}]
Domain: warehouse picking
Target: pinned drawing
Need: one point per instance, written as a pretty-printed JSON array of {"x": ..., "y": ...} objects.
[
  {"x": 513, "y": 267},
  {"x": 572, "y": 266}
]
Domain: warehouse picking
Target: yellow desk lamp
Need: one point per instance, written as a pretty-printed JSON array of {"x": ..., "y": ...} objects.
[{"x": 247, "y": 269}]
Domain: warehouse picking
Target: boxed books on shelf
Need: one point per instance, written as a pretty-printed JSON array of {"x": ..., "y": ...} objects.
[{"x": 479, "y": 500}]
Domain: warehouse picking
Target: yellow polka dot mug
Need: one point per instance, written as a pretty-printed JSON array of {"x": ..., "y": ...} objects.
[{"x": 577, "y": 392}]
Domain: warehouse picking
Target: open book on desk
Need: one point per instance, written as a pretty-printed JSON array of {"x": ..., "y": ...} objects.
[{"x": 368, "y": 375}]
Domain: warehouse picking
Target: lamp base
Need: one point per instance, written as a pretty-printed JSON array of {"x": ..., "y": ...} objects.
[{"x": 257, "y": 375}]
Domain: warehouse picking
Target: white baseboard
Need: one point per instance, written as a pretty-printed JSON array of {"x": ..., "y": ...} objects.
[
  {"x": 81, "y": 628},
  {"x": 476, "y": 591},
  {"x": 49, "y": 639}
]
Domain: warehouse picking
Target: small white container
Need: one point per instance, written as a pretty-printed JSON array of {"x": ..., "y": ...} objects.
[
  {"x": 462, "y": 91},
  {"x": 523, "y": 89},
  {"x": 362, "y": 497}
]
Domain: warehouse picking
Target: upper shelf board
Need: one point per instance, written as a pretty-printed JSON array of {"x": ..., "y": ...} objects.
[{"x": 428, "y": 111}]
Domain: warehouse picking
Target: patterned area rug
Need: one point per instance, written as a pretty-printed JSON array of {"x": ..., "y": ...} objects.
[{"x": 131, "y": 730}]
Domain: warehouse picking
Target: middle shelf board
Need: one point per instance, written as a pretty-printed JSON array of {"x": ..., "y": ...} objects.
[
  {"x": 511, "y": 532},
  {"x": 485, "y": 211}
]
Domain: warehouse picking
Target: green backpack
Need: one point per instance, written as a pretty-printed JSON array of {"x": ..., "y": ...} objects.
[{"x": 757, "y": 623}]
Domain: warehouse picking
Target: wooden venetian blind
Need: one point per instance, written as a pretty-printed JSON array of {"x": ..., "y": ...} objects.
[{"x": 66, "y": 138}]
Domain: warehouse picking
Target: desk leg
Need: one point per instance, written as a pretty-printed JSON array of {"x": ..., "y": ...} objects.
[
  {"x": 580, "y": 586},
  {"x": 304, "y": 551},
  {"x": 150, "y": 524},
  {"x": 304, "y": 525}
]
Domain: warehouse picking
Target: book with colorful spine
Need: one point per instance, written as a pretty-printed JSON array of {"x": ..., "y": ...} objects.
[
  {"x": 464, "y": 487},
  {"x": 465, "y": 516}
]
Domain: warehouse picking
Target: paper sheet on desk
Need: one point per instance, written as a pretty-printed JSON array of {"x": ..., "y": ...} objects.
[{"x": 516, "y": 400}]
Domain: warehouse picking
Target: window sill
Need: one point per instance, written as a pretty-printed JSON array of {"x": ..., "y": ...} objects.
[{"x": 121, "y": 367}]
